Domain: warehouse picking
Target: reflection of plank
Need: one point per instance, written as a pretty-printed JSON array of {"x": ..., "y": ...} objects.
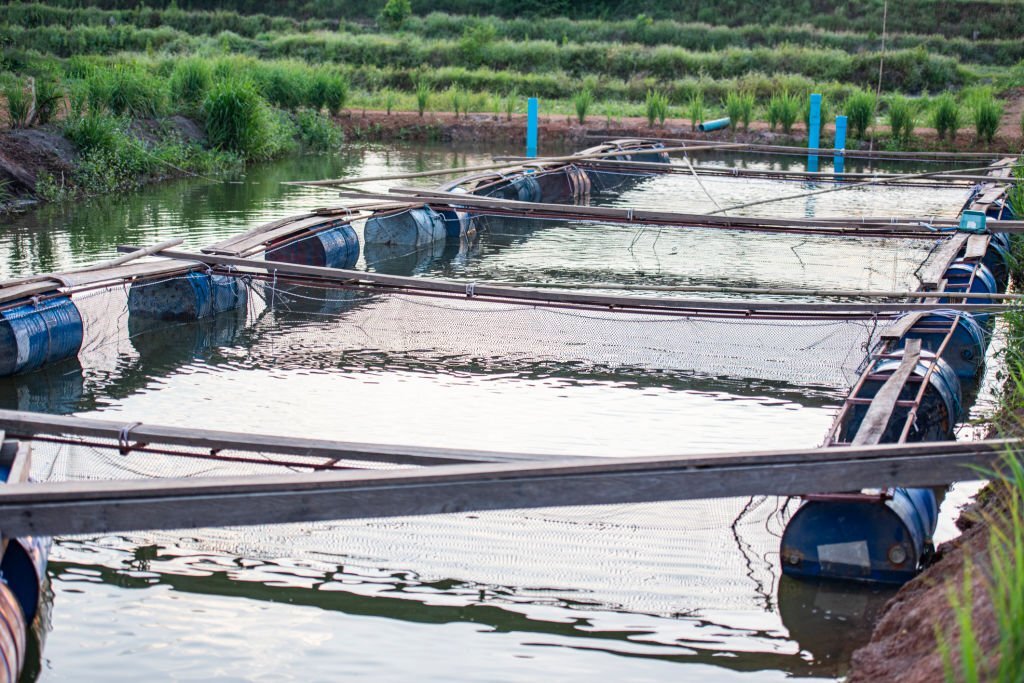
[
  {"x": 880, "y": 411},
  {"x": 102, "y": 507},
  {"x": 977, "y": 245},
  {"x": 935, "y": 268}
]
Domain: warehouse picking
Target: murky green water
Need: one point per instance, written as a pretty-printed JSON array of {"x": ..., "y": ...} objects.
[{"x": 683, "y": 591}]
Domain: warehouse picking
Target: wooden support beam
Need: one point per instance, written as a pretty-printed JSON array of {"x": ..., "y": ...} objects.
[
  {"x": 104, "y": 507},
  {"x": 934, "y": 269},
  {"x": 27, "y": 424},
  {"x": 977, "y": 245},
  {"x": 608, "y": 302},
  {"x": 880, "y": 411},
  {"x": 899, "y": 328}
]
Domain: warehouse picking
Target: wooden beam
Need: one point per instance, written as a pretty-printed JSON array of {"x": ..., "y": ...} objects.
[
  {"x": 609, "y": 302},
  {"x": 934, "y": 269},
  {"x": 103, "y": 507},
  {"x": 977, "y": 245},
  {"x": 899, "y": 328},
  {"x": 876, "y": 419}
]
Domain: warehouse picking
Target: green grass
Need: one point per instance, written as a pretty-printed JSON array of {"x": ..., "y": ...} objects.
[
  {"x": 238, "y": 120},
  {"x": 783, "y": 109},
  {"x": 190, "y": 82},
  {"x": 859, "y": 109},
  {"x": 986, "y": 113},
  {"x": 583, "y": 100},
  {"x": 656, "y": 107},
  {"x": 901, "y": 115},
  {"x": 423, "y": 92},
  {"x": 19, "y": 103}
]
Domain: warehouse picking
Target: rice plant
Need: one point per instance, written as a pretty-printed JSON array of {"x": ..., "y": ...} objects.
[
  {"x": 946, "y": 118},
  {"x": 695, "y": 109},
  {"x": 510, "y": 103},
  {"x": 390, "y": 97},
  {"x": 423, "y": 92},
  {"x": 986, "y": 112},
  {"x": 747, "y": 102},
  {"x": 583, "y": 100},
  {"x": 459, "y": 100},
  {"x": 860, "y": 112},
  {"x": 656, "y": 107},
  {"x": 783, "y": 108},
  {"x": 19, "y": 103},
  {"x": 901, "y": 117},
  {"x": 734, "y": 109}
]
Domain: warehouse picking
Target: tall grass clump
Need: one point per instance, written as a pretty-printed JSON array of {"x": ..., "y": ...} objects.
[
  {"x": 860, "y": 112},
  {"x": 317, "y": 132},
  {"x": 583, "y": 100},
  {"x": 747, "y": 102},
  {"x": 190, "y": 80},
  {"x": 734, "y": 109},
  {"x": 824, "y": 115},
  {"x": 901, "y": 117},
  {"x": 459, "y": 100},
  {"x": 656, "y": 107},
  {"x": 19, "y": 103},
  {"x": 328, "y": 90},
  {"x": 131, "y": 91},
  {"x": 783, "y": 108},
  {"x": 49, "y": 95},
  {"x": 946, "y": 118},
  {"x": 1003, "y": 581},
  {"x": 422, "y": 96},
  {"x": 510, "y": 103},
  {"x": 93, "y": 131},
  {"x": 986, "y": 113},
  {"x": 239, "y": 120}
]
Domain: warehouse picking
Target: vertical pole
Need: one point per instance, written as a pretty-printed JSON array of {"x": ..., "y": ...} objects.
[
  {"x": 839, "y": 160},
  {"x": 531, "y": 127},
  {"x": 814, "y": 131}
]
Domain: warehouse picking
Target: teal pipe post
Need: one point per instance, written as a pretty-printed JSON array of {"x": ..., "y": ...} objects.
[
  {"x": 839, "y": 160},
  {"x": 531, "y": 127},
  {"x": 717, "y": 124},
  {"x": 814, "y": 132}
]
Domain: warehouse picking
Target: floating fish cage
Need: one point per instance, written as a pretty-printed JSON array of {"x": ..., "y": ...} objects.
[
  {"x": 192, "y": 296},
  {"x": 963, "y": 276},
  {"x": 407, "y": 228},
  {"x": 883, "y": 538},
  {"x": 964, "y": 351}
]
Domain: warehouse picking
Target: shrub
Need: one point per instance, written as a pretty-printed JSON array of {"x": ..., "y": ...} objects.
[
  {"x": 238, "y": 120},
  {"x": 317, "y": 132},
  {"x": 19, "y": 103},
  {"x": 860, "y": 112},
  {"x": 190, "y": 81},
  {"x": 94, "y": 131},
  {"x": 784, "y": 109},
  {"x": 130, "y": 91},
  {"x": 583, "y": 100},
  {"x": 946, "y": 118},
  {"x": 422, "y": 96},
  {"x": 986, "y": 112},
  {"x": 901, "y": 118},
  {"x": 394, "y": 13}
]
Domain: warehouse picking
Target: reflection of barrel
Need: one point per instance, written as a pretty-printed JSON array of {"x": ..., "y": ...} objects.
[
  {"x": 938, "y": 413},
  {"x": 965, "y": 351},
  {"x": 407, "y": 228},
  {"x": 336, "y": 247},
  {"x": 191, "y": 296},
  {"x": 863, "y": 540},
  {"x": 34, "y": 334},
  {"x": 173, "y": 341},
  {"x": 13, "y": 634},
  {"x": 404, "y": 260},
  {"x": 56, "y": 389},
  {"x": 830, "y": 619}
]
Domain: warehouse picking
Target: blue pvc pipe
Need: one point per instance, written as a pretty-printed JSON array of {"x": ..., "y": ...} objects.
[
  {"x": 531, "y": 127},
  {"x": 814, "y": 131},
  {"x": 717, "y": 124},
  {"x": 839, "y": 161}
]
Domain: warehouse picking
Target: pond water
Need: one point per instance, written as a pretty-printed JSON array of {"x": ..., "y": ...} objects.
[{"x": 682, "y": 591}]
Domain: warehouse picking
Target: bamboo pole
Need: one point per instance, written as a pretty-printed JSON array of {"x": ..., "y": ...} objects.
[{"x": 493, "y": 166}]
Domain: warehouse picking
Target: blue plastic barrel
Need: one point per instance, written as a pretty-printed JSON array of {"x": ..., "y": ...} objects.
[
  {"x": 861, "y": 540},
  {"x": 940, "y": 409},
  {"x": 13, "y": 635},
  {"x": 1002, "y": 238},
  {"x": 23, "y": 568},
  {"x": 959, "y": 275},
  {"x": 457, "y": 224},
  {"x": 997, "y": 260},
  {"x": 965, "y": 351},
  {"x": 32, "y": 335},
  {"x": 191, "y": 296},
  {"x": 336, "y": 247},
  {"x": 648, "y": 153},
  {"x": 408, "y": 228}
]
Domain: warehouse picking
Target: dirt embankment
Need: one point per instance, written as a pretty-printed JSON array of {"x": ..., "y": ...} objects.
[{"x": 903, "y": 646}]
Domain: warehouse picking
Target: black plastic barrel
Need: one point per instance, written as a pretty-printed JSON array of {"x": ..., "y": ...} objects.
[{"x": 336, "y": 247}]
